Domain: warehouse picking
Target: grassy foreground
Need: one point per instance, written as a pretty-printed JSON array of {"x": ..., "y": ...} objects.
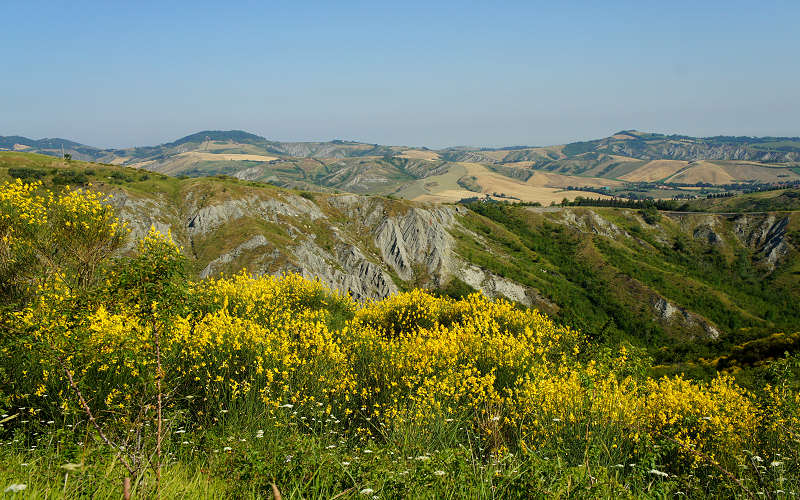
[{"x": 238, "y": 387}]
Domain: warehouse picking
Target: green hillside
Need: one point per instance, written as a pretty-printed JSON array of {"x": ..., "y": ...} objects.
[{"x": 236, "y": 386}]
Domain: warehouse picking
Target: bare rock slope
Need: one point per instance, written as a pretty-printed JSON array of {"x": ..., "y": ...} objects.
[{"x": 366, "y": 246}]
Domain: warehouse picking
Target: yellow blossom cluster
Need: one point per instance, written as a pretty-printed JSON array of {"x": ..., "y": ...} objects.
[
  {"x": 43, "y": 232},
  {"x": 411, "y": 359},
  {"x": 511, "y": 375}
]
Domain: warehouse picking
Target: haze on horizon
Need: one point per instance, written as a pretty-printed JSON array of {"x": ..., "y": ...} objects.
[{"x": 119, "y": 75}]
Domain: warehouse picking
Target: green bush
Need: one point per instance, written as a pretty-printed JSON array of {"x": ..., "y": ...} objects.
[
  {"x": 70, "y": 178},
  {"x": 650, "y": 215},
  {"x": 26, "y": 173}
]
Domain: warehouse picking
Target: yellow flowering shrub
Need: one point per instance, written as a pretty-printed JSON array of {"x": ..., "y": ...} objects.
[
  {"x": 44, "y": 233},
  {"x": 511, "y": 376},
  {"x": 783, "y": 404},
  {"x": 411, "y": 360},
  {"x": 710, "y": 419}
]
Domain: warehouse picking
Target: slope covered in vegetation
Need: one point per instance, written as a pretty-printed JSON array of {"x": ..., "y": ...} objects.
[
  {"x": 117, "y": 367},
  {"x": 687, "y": 287},
  {"x": 691, "y": 288}
]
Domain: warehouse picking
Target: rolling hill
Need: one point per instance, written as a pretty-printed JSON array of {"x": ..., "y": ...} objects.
[
  {"x": 628, "y": 163},
  {"x": 683, "y": 285}
]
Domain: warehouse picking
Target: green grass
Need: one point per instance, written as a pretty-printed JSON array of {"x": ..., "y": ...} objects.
[{"x": 230, "y": 461}]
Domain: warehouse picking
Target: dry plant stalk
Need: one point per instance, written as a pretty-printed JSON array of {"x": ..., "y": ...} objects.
[
  {"x": 126, "y": 488},
  {"x": 126, "y": 482},
  {"x": 97, "y": 427},
  {"x": 159, "y": 376}
]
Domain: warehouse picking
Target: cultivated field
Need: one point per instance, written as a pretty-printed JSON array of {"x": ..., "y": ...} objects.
[
  {"x": 553, "y": 180},
  {"x": 418, "y": 154},
  {"x": 655, "y": 170},
  {"x": 445, "y": 188},
  {"x": 203, "y": 156}
]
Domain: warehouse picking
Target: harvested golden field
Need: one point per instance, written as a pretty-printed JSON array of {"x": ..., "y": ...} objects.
[
  {"x": 141, "y": 164},
  {"x": 203, "y": 156},
  {"x": 703, "y": 171},
  {"x": 550, "y": 179},
  {"x": 490, "y": 183},
  {"x": 419, "y": 154},
  {"x": 520, "y": 164},
  {"x": 655, "y": 170},
  {"x": 622, "y": 158},
  {"x": 709, "y": 171}
]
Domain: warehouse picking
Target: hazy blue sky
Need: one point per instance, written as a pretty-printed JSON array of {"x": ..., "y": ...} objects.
[{"x": 419, "y": 73}]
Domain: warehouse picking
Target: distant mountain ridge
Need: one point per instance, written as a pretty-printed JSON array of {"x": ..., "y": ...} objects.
[
  {"x": 11, "y": 140},
  {"x": 627, "y": 163},
  {"x": 637, "y": 143}
]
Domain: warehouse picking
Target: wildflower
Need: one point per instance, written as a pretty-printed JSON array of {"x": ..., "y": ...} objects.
[
  {"x": 15, "y": 488},
  {"x": 439, "y": 473},
  {"x": 776, "y": 463},
  {"x": 423, "y": 458},
  {"x": 227, "y": 448},
  {"x": 367, "y": 491},
  {"x": 345, "y": 463},
  {"x": 658, "y": 473}
]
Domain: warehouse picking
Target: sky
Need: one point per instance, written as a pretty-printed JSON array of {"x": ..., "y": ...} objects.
[{"x": 435, "y": 74}]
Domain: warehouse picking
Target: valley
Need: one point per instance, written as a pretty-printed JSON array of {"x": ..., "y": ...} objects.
[{"x": 683, "y": 285}]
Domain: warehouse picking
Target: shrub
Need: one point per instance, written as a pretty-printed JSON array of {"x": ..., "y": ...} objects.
[
  {"x": 650, "y": 215},
  {"x": 26, "y": 173},
  {"x": 70, "y": 178}
]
